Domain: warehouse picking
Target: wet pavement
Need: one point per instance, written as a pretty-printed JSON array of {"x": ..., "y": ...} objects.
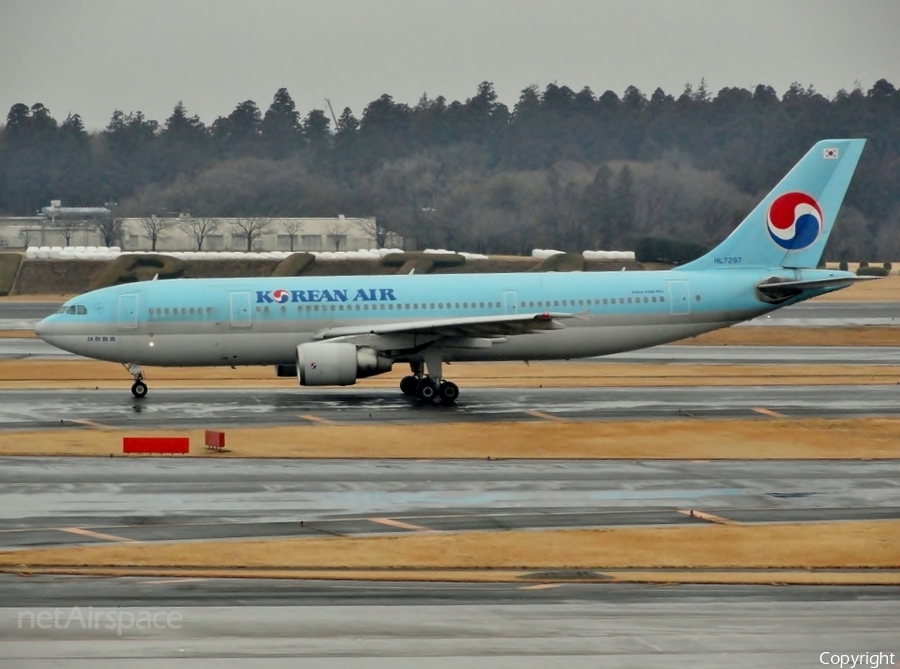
[{"x": 42, "y": 409}]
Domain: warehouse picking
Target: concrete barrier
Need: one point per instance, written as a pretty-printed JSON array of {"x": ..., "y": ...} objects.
[{"x": 163, "y": 445}]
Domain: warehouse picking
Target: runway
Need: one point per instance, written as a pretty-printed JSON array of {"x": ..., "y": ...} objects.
[
  {"x": 824, "y": 314},
  {"x": 158, "y": 499},
  {"x": 35, "y": 409},
  {"x": 24, "y": 315},
  {"x": 273, "y": 624}
]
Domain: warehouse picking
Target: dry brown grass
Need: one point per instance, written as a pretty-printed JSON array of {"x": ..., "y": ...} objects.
[
  {"x": 17, "y": 334},
  {"x": 47, "y": 297},
  {"x": 94, "y": 374},
  {"x": 772, "y": 335},
  {"x": 752, "y": 439},
  {"x": 834, "y": 545},
  {"x": 525, "y": 578}
]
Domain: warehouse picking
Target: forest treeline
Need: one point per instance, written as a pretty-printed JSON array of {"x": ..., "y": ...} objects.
[{"x": 561, "y": 169}]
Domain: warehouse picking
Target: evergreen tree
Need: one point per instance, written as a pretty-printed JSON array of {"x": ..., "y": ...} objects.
[
  {"x": 74, "y": 174},
  {"x": 622, "y": 209},
  {"x": 316, "y": 129},
  {"x": 130, "y": 157},
  {"x": 184, "y": 142},
  {"x": 30, "y": 146},
  {"x": 238, "y": 133},
  {"x": 280, "y": 127}
]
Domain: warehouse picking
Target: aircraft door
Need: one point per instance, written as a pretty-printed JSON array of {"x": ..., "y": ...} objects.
[
  {"x": 680, "y": 297},
  {"x": 509, "y": 302},
  {"x": 128, "y": 312},
  {"x": 240, "y": 310}
]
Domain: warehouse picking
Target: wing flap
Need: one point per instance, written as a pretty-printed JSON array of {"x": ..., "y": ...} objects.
[{"x": 474, "y": 326}]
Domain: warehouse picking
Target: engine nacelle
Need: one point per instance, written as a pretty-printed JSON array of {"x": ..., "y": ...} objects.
[{"x": 337, "y": 364}]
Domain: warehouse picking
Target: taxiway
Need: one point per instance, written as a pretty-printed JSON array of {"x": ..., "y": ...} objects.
[
  {"x": 210, "y": 408},
  {"x": 61, "y": 501}
]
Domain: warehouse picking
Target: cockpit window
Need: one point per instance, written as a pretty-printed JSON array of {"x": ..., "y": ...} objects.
[
  {"x": 75, "y": 309},
  {"x": 71, "y": 310},
  {"x": 61, "y": 310},
  {"x": 81, "y": 309}
]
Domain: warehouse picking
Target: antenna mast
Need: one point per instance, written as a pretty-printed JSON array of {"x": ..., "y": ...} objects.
[{"x": 328, "y": 102}]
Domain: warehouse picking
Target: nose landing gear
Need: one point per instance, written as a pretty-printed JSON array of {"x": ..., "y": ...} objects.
[{"x": 139, "y": 388}]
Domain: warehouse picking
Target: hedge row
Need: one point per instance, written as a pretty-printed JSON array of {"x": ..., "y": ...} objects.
[
  {"x": 668, "y": 251},
  {"x": 9, "y": 267}
]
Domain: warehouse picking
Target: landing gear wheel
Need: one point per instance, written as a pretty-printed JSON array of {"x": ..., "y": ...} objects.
[
  {"x": 449, "y": 391},
  {"x": 408, "y": 385},
  {"x": 427, "y": 390},
  {"x": 139, "y": 389}
]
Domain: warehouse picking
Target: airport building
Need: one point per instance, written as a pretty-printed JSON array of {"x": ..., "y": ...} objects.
[{"x": 57, "y": 225}]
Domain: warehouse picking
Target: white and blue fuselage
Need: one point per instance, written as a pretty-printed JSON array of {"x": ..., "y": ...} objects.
[
  {"x": 192, "y": 322},
  {"x": 334, "y": 330}
]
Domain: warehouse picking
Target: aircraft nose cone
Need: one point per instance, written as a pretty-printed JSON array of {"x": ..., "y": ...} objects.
[{"x": 42, "y": 329}]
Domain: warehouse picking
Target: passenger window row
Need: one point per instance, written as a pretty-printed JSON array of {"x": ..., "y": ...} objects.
[
  {"x": 586, "y": 303},
  {"x": 415, "y": 306},
  {"x": 184, "y": 311},
  {"x": 385, "y": 307}
]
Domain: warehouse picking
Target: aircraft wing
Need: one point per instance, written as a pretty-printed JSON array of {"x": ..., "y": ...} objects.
[{"x": 441, "y": 328}]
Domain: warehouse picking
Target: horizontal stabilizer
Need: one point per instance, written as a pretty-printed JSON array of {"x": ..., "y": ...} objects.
[{"x": 778, "y": 290}]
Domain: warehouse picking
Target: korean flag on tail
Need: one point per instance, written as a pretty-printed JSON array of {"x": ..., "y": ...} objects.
[{"x": 830, "y": 153}]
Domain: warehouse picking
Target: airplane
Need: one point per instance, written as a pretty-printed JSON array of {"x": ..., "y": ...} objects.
[{"x": 335, "y": 330}]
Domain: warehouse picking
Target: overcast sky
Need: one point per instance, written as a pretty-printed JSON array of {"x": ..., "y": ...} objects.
[{"x": 93, "y": 56}]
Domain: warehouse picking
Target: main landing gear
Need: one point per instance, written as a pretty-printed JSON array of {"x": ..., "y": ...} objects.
[
  {"x": 138, "y": 388},
  {"x": 431, "y": 387}
]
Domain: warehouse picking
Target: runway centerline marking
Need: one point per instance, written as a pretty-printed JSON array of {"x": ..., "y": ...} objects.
[
  {"x": 542, "y": 586},
  {"x": 316, "y": 419},
  {"x": 399, "y": 523},
  {"x": 769, "y": 412},
  {"x": 92, "y": 424},
  {"x": 649, "y": 645},
  {"x": 709, "y": 517},
  {"x": 545, "y": 416},
  {"x": 97, "y": 535}
]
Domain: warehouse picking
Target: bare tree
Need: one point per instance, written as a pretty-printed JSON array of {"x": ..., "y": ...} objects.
[
  {"x": 67, "y": 227},
  {"x": 377, "y": 231},
  {"x": 199, "y": 228},
  {"x": 155, "y": 227},
  {"x": 337, "y": 232},
  {"x": 26, "y": 233},
  {"x": 252, "y": 228},
  {"x": 292, "y": 226},
  {"x": 110, "y": 229}
]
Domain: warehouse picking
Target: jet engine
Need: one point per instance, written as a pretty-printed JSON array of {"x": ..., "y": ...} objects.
[{"x": 338, "y": 364}]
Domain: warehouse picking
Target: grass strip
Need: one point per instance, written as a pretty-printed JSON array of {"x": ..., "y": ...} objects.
[
  {"x": 760, "y": 438},
  {"x": 829, "y": 545}
]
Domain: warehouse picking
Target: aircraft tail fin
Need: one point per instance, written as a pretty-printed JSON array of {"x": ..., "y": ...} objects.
[{"x": 790, "y": 227}]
